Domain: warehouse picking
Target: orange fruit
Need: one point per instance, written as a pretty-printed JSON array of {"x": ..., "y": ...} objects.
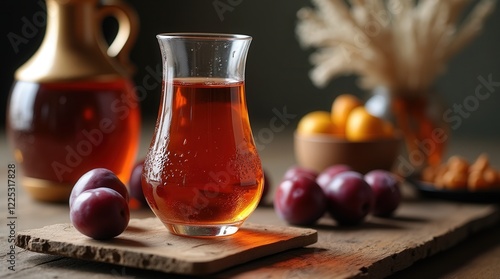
[
  {"x": 316, "y": 122},
  {"x": 362, "y": 126},
  {"x": 341, "y": 108}
]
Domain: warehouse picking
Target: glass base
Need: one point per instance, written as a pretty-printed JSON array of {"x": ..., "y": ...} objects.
[
  {"x": 47, "y": 190},
  {"x": 203, "y": 230}
]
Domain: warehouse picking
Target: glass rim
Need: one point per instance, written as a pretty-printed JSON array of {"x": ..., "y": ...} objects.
[{"x": 204, "y": 36}]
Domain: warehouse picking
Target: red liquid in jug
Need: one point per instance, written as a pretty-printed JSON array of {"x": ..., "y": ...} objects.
[{"x": 59, "y": 131}]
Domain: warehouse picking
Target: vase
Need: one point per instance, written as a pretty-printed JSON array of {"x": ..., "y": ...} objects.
[
  {"x": 72, "y": 106},
  {"x": 418, "y": 116}
]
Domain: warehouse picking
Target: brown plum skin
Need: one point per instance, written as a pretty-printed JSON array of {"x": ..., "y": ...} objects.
[
  {"x": 299, "y": 201},
  {"x": 329, "y": 173},
  {"x": 386, "y": 189},
  {"x": 135, "y": 186},
  {"x": 100, "y": 213},
  {"x": 299, "y": 171},
  {"x": 350, "y": 198},
  {"x": 98, "y": 178}
]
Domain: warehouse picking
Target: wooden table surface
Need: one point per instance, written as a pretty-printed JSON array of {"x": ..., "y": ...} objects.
[{"x": 476, "y": 256}]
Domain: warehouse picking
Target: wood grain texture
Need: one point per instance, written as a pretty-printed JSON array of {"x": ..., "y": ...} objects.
[
  {"x": 377, "y": 248},
  {"x": 147, "y": 244}
]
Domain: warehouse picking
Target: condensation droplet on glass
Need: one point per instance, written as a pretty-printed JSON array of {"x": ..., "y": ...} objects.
[{"x": 184, "y": 142}]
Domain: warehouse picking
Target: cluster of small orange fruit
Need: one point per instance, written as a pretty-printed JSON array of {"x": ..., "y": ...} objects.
[
  {"x": 458, "y": 174},
  {"x": 348, "y": 119}
]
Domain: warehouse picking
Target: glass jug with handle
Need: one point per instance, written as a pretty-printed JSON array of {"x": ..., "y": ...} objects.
[{"x": 73, "y": 107}]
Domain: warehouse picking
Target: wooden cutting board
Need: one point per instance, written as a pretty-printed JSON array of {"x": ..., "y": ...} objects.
[{"x": 147, "y": 244}]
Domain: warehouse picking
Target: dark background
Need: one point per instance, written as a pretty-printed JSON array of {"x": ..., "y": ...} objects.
[{"x": 277, "y": 68}]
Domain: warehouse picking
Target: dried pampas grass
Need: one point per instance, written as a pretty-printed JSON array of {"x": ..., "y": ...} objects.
[{"x": 401, "y": 44}]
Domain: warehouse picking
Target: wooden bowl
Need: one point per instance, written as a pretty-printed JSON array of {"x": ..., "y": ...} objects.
[{"x": 318, "y": 152}]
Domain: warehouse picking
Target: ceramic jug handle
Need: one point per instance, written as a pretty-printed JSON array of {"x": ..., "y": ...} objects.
[{"x": 128, "y": 27}]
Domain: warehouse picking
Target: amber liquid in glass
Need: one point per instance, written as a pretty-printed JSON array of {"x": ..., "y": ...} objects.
[
  {"x": 59, "y": 131},
  {"x": 206, "y": 170}
]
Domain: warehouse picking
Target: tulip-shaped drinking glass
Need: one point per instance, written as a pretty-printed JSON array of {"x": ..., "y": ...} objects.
[{"x": 202, "y": 174}]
